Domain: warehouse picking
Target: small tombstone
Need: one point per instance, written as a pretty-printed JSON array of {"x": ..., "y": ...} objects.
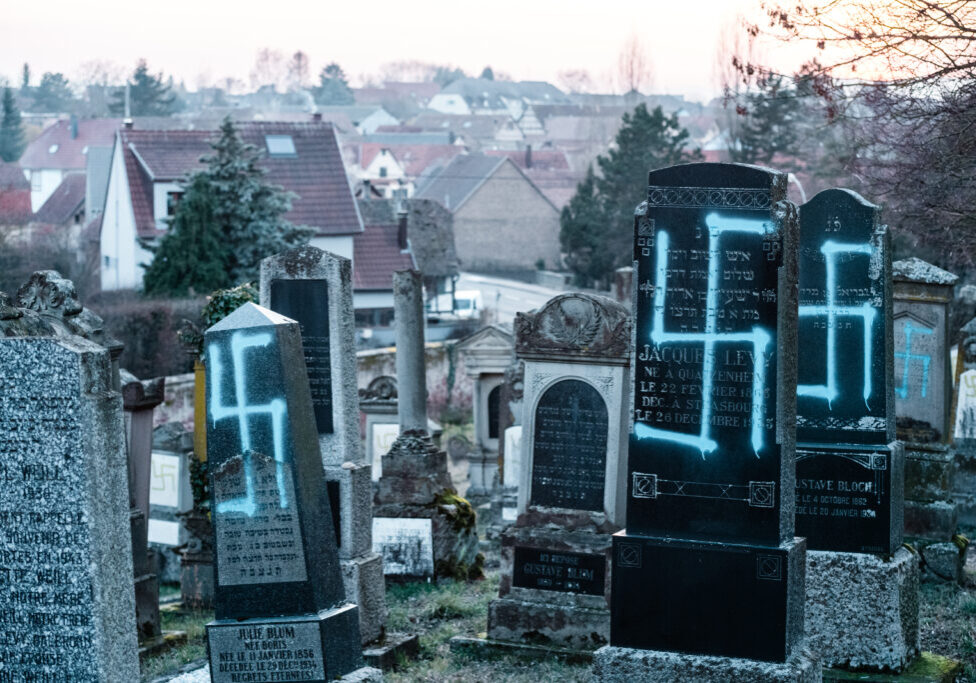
[
  {"x": 314, "y": 287},
  {"x": 710, "y": 496},
  {"x": 964, "y": 429},
  {"x": 279, "y": 584},
  {"x": 67, "y": 599},
  {"x": 555, "y": 558},
  {"x": 850, "y": 477}
]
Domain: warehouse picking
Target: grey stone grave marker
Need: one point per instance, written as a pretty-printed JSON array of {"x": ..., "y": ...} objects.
[
  {"x": 923, "y": 391},
  {"x": 66, "y": 591},
  {"x": 278, "y": 577},
  {"x": 556, "y": 557},
  {"x": 314, "y": 287},
  {"x": 862, "y": 600},
  {"x": 964, "y": 429},
  {"x": 710, "y": 491}
]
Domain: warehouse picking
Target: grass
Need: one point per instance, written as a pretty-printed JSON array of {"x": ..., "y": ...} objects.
[{"x": 171, "y": 661}]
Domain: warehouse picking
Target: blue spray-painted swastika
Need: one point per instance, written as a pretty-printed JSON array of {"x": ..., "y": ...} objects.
[
  {"x": 866, "y": 312},
  {"x": 276, "y": 409},
  {"x": 758, "y": 337},
  {"x": 908, "y": 357}
]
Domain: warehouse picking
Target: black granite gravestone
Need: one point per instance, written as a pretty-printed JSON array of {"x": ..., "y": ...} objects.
[
  {"x": 570, "y": 447},
  {"x": 279, "y": 586},
  {"x": 307, "y": 301},
  {"x": 708, "y": 563},
  {"x": 848, "y": 477}
]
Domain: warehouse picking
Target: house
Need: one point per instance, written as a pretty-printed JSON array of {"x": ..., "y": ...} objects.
[
  {"x": 148, "y": 165},
  {"x": 15, "y": 197},
  {"x": 61, "y": 149},
  {"x": 502, "y": 220},
  {"x": 63, "y": 214},
  {"x": 364, "y": 120},
  {"x": 394, "y": 169},
  {"x": 483, "y": 96}
]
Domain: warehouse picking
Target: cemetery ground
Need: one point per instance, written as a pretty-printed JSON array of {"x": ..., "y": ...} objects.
[{"x": 439, "y": 611}]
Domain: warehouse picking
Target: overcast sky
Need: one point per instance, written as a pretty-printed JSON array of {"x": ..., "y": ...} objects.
[{"x": 527, "y": 39}]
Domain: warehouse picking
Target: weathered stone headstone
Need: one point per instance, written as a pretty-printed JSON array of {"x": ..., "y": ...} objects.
[
  {"x": 708, "y": 564},
  {"x": 862, "y": 609},
  {"x": 964, "y": 430},
  {"x": 923, "y": 390},
  {"x": 139, "y": 398},
  {"x": 556, "y": 558},
  {"x": 486, "y": 355},
  {"x": 66, "y": 592},
  {"x": 415, "y": 482},
  {"x": 279, "y": 582},
  {"x": 505, "y": 506},
  {"x": 314, "y": 287}
]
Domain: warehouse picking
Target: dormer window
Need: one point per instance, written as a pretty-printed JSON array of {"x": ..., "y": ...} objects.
[
  {"x": 280, "y": 145},
  {"x": 172, "y": 201}
]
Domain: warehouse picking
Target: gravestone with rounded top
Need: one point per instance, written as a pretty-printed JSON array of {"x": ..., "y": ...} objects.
[
  {"x": 278, "y": 580},
  {"x": 556, "y": 556},
  {"x": 708, "y": 578}
]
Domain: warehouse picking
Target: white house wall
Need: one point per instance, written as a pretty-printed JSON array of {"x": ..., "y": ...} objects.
[
  {"x": 46, "y": 180},
  {"x": 119, "y": 251}
]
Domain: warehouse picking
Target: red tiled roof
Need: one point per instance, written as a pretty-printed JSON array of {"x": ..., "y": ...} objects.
[
  {"x": 315, "y": 173},
  {"x": 414, "y": 158},
  {"x": 15, "y": 195},
  {"x": 65, "y": 202},
  {"x": 70, "y": 152},
  {"x": 376, "y": 256},
  {"x": 12, "y": 177},
  {"x": 542, "y": 159}
]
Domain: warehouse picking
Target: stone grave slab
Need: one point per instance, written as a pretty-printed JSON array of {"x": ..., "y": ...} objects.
[
  {"x": 275, "y": 547},
  {"x": 407, "y": 546}
]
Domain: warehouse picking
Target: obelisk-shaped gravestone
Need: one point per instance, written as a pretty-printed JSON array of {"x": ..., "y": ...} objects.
[
  {"x": 708, "y": 564},
  {"x": 279, "y": 586},
  {"x": 314, "y": 287},
  {"x": 862, "y": 602},
  {"x": 67, "y": 606}
]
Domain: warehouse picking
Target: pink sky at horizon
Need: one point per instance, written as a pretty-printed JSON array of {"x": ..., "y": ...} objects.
[{"x": 528, "y": 40}]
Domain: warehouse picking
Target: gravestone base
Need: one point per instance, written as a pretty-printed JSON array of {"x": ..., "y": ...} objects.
[
  {"x": 504, "y": 510},
  {"x": 674, "y": 589},
  {"x": 197, "y": 589},
  {"x": 454, "y": 537},
  {"x": 147, "y": 608},
  {"x": 935, "y": 521},
  {"x": 482, "y": 471},
  {"x": 314, "y": 647},
  {"x": 366, "y": 588},
  {"x": 964, "y": 485},
  {"x": 929, "y": 471},
  {"x": 862, "y": 610},
  {"x": 573, "y": 612},
  {"x": 626, "y": 665},
  {"x": 942, "y": 562}
]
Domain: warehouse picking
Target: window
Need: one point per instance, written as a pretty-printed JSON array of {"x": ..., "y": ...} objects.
[
  {"x": 52, "y": 149},
  {"x": 382, "y": 171},
  {"x": 108, "y": 261},
  {"x": 280, "y": 145},
  {"x": 494, "y": 400},
  {"x": 35, "y": 181},
  {"x": 172, "y": 201}
]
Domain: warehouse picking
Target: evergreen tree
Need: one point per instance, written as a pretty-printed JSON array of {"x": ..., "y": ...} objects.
[
  {"x": 12, "y": 142},
  {"x": 192, "y": 256},
  {"x": 25, "y": 77},
  {"x": 581, "y": 233},
  {"x": 333, "y": 87},
  {"x": 148, "y": 95},
  {"x": 770, "y": 125},
  {"x": 53, "y": 94},
  {"x": 243, "y": 219},
  {"x": 487, "y": 74}
]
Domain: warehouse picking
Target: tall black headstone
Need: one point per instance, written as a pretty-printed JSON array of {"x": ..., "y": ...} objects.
[
  {"x": 849, "y": 474},
  {"x": 708, "y": 563},
  {"x": 279, "y": 586}
]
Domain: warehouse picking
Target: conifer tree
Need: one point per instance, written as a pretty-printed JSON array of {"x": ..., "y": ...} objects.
[
  {"x": 581, "y": 233},
  {"x": 149, "y": 95},
  {"x": 12, "y": 141},
  {"x": 770, "y": 124},
  {"x": 333, "y": 87}
]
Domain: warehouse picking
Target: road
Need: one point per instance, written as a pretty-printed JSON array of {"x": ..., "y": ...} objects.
[{"x": 506, "y": 297}]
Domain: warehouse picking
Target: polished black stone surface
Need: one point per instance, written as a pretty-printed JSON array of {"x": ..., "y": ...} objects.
[
  {"x": 569, "y": 457},
  {"x": 307, "y": 301},
  {"x": 707, "y": 598},
  {"x": 706, "y": 458},
  {"x": 843, "y": 394},
  {"x": 559, "y": 571}
]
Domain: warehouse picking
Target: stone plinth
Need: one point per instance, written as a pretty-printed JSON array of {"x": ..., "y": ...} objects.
[
  {"x": 627, "y": 665},
  {"x": 862, "y": 610}
]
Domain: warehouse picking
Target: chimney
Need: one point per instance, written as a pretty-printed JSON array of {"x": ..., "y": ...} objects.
[
  {"x": 127, "y": 123},
  {"x": 528, "y": 156},
  {"x": 74, "y": 127},
  {"x": 317, "y": 117},
  {"x": 367, "y": 189},
  {"x": 402, "y": 229}
]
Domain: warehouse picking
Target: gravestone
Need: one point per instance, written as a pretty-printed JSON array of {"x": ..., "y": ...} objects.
[
  {"x": 923, "y": 393},
  {"x": 415, "y": 483},
  {"x": 964, "y": 430},
  {"x": 139, "y": 398},
  {"x": 485, "y": 355},
  {"x": 66, "y": 591},
  {"x": 314, "y": 287},
  {"x": 555, "y": 558},
  {"x": 279, "y": 582},
  {"x": 708, "y": 579},
  {"x": 862, "y": 587},
  {"x": 505, "y": 506}
]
